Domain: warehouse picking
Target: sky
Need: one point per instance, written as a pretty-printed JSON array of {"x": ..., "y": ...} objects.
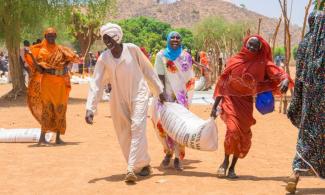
[{"x": 271, "y": 8}]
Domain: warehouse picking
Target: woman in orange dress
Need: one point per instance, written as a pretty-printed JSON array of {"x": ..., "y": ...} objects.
[{"x": 49, "y": 85}]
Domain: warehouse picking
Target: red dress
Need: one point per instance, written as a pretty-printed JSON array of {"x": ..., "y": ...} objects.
[{"x": 246, "y": 74}]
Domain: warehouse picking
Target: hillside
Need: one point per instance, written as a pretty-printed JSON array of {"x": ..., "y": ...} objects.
[{"x": 185, "y": 13}]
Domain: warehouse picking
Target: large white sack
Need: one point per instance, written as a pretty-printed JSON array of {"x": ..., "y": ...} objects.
[
  {"x": 22, "y": 135},
  {"x": 186, "y": 128}
]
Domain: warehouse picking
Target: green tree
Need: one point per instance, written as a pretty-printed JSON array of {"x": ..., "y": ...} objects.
[
  {"x": 84, "y": 19},
  {"x": 187, "y": 37},
  {"x": 220, "y": 36},
  {"x": 294, "y": 52},
  {"x": 145, "y": 32},
  {"x": 279, "y": 51},
  {"x": 151, "y": 33},
  {"x": 16, "y": 17}
]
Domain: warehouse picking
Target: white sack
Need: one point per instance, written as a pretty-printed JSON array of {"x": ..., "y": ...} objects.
[
  {"x": 22, "y": 135},
  {"x": 186, "y": 128}
]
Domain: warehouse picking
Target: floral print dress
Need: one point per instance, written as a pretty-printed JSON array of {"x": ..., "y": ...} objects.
[{"x": 179, "y": 85}]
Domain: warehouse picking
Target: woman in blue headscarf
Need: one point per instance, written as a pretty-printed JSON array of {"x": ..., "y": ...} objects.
[{"x": 174, "y": 68}]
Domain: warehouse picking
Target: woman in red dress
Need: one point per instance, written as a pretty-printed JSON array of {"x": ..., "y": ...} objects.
[{"x": 248, "y": 73}]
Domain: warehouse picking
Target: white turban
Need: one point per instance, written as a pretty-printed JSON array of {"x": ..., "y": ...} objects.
[{"x": 112, "y": 30}]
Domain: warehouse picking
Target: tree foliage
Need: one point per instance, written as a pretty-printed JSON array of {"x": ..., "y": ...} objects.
[
  {"x": 151, "y": 33},
  {"x": 187, "y": 37},
  {"x": 279, "y": 51},
  {"x": 145, "y": 32},
  {"x": 218, "y": 34},
  {"x": 16, "y": 18},
  {"x": 294, "y": 52},
  {"x": 80, "y": 20}
]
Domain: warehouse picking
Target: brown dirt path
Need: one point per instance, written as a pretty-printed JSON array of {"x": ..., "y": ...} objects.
[{"x": 92, "y": 163}]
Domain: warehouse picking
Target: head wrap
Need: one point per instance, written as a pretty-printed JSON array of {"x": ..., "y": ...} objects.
[
  {"x": 245, "y": 73},
  {"x": 169, "y": 52},
  {"x": 255, "y": 39},
  {"x": 49, "y": 31},
  {"x": 112, "y": 30}
]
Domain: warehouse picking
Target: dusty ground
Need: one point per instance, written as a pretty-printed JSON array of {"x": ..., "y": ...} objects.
[{"x": 92, "y": 163}]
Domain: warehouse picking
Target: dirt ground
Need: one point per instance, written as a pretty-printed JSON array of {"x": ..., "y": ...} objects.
[{"x": 92, "y": 162}]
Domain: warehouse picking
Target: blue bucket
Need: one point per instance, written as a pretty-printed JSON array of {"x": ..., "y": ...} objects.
[{"x": 265, "y": 102}]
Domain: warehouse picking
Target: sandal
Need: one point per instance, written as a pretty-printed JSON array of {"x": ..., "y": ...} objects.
[
  {"x": 178, "y": 164},
  {"x": 130, "y": 177},
  {"x": 145, "y": 171},
  {"x": 221, "y": 172},
  {"x": 232, "y": 174},
  {"x": 165, "y": 163},
  {"x": 292, "y": 185}
]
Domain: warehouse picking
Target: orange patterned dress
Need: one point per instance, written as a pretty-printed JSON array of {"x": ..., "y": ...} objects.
[{"x": 48, "y": 94}]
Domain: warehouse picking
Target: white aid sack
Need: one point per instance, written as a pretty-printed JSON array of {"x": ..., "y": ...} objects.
[
  {"x": 22, "y": 135},
  {"x": 186, "y": 128}
]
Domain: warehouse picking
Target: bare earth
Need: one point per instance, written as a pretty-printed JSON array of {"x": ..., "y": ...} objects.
[{"x": 92, "y": 163}]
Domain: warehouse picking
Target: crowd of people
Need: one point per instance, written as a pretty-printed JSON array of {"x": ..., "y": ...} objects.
[
  {"x": 171, "y": 79},
  {"x": 4, "y": 64}
]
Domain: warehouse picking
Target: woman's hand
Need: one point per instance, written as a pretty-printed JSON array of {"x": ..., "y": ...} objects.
[
  {"x": 214, "y": 113},
  {"x": 284, "y": 85},
  {"x": 162, "y": 98}
]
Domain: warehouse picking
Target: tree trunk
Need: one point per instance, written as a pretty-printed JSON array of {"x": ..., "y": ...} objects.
[
  {"x": 12, "y": 41},
  {"x": 305, "y": 19},
  {"x": 90, "y": 42},
  {"x": 259, "y": 26},
  {"x": 275, "y": 34}
]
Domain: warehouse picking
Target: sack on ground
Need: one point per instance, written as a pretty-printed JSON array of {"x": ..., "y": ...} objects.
[
  {"x": 22, "y": 135},
  {"x": 186, "y": 128}
]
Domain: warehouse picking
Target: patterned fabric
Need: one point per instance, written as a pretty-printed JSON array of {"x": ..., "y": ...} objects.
[
  {"x": 307, "y": 109},
  {"x": 47, "y": 95},
  {"x": 179, "y": 85}
]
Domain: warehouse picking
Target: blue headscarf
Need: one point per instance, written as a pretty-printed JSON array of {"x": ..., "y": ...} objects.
[{"x": 169, "y": 52}]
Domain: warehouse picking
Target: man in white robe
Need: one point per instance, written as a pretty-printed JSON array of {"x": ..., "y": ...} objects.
[{"x": 131, "y": 76}]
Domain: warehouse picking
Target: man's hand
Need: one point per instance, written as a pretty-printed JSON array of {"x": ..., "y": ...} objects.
[
  {"x": 162, "y": 98},
  {"x": 89, "y": 117},
  {"x": 284, "y": 85}
]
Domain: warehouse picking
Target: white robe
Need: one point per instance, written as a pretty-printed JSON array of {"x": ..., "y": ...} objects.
[{"x": 129, "y": 76}]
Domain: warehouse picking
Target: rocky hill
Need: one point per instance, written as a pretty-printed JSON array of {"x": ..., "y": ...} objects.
[{"x": 185, "y": 13}]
